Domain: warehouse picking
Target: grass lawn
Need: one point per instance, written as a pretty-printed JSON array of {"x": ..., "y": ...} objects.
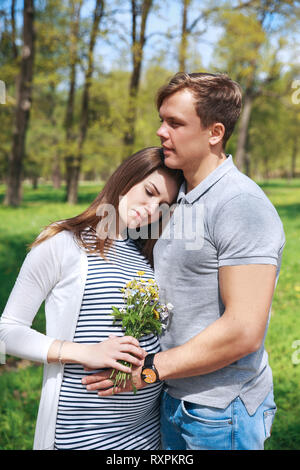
[
  {"x": 284, "y": 328},
  {"x": 20, "y": 381}
]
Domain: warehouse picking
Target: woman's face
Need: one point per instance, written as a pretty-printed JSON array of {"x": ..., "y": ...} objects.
[{"x": 140, "y": 206}]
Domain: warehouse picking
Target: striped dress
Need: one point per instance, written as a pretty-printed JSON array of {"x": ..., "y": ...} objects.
[{"x": 123, "y": 421}]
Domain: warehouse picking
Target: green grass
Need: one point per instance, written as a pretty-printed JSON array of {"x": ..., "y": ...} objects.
[
  {"x": 19, "y": 395},
  {"x": 285, "y": 321},
  {"x": 20, "y": 388}
]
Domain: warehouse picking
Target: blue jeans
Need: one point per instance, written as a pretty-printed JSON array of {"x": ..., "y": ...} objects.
[{"x": 187, "y": 426}]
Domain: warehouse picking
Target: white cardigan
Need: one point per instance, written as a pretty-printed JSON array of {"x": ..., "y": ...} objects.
[{"x": 54, "y": 271}]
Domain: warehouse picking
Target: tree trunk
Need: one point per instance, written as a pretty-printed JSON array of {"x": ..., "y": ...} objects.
[
  {"x": 73, "y": 183},
  {"x": 267, "y": 168},
  {"x": 56, "y": 167},
  {"x": 294, "y": 158},
  {"x": 13, "y": 27},
  {"x": 138, "y": 42},
  {"x": 24, "y": 98},
  {"x": 75, "y": 165},
  {"x": 184, "y": 35},
  {"x": 243, "y": 131},
  {"x": 69, "y": 118},
  {"x": 35, "y": 181},
  {"x": 56, "y": 173},
  {"x": 247, "y": 163}
]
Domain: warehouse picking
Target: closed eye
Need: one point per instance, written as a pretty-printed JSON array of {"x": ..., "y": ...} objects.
[{"x": 149, "y": 193}]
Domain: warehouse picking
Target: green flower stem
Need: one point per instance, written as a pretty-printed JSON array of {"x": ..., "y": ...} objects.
[{"x": 121, "y": 378}]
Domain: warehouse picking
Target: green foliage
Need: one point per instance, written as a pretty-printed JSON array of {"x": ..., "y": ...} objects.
[
  {"x": 238, "y": 50},
  {"x": 252, "y": 48},
  {"x": 273, "y": 133},
  {"x": 147, "y": 117},
  {"x": 103, "y": 148}
]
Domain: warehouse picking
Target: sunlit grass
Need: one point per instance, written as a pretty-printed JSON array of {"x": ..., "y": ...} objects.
[{"x": 284, "y": 327}]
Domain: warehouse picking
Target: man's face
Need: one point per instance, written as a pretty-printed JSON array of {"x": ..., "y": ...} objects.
[{"x": 182, "y": 136}]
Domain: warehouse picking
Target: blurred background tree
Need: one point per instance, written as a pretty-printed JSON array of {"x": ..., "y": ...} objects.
[
  {"x": 97, "y": 67},
  {"x": 254, "y": 36},
  {"x": 23, "y": 88}
]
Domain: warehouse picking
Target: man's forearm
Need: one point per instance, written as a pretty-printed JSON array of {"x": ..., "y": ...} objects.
[
  {"x": 220, "y": 344},
  {"x": 246, "y": 292}
]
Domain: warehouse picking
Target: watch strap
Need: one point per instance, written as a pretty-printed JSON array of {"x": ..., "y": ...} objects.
[{"x": 148, "y": 362}]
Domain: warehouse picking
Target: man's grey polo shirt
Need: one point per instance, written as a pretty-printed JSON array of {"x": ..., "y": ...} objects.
[{"x": 226, "y": 220}]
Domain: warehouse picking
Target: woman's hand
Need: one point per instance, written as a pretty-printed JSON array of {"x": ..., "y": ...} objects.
[
  {"x": 100, "y": 355},
  {"x": 106, "y": 353}
]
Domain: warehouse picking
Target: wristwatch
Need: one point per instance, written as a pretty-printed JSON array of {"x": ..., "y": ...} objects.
[{"x": 149, "y": 373}]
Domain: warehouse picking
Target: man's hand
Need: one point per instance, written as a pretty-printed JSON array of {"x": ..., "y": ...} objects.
[{"x": 105, "y": 385}]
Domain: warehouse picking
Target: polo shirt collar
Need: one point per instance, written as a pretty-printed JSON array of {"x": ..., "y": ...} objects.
[{"x": 206, "y": 184}]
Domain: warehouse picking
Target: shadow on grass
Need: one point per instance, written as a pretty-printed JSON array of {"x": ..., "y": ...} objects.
[
  {"x": 282, "y": 184},
  {"x": 289, "y": 211},
  {"x": 47, "y": 193}
]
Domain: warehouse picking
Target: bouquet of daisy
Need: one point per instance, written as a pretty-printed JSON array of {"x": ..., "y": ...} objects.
[{"x": 141, "y": 315}]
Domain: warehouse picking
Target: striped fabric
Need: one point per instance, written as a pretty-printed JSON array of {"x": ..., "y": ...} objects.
[{"x": 124, "y": 421}]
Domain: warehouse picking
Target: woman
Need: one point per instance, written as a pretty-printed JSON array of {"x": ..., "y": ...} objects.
[{"x": 78, "y": 266}]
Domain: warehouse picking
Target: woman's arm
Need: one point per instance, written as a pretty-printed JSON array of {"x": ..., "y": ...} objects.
[
  {"x": 37, "y": 277},
  {"x": 100, "y": 355}
]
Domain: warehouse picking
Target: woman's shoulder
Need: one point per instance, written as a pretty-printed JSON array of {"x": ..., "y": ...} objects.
[{"x": 59, "y": 242}]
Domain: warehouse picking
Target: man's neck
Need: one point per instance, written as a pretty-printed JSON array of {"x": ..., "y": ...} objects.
[{"x": 195, "y": 175}]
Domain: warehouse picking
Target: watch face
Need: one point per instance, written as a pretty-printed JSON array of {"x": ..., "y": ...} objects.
[{"x": 149, "y": 376}]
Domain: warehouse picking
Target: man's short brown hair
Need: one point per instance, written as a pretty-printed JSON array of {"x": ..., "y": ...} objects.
[{"x": 218, "y": 98}]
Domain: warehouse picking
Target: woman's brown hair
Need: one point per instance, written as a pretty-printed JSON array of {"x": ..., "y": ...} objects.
[{"x": 131, "y": 172}]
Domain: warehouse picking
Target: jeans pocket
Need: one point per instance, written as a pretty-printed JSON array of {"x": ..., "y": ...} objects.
[
  {"x": 205, "y": 415},
  {"x": 268, "y": 421}
]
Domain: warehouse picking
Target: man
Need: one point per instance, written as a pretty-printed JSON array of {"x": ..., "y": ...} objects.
[{"x": 218, "y": 383}]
